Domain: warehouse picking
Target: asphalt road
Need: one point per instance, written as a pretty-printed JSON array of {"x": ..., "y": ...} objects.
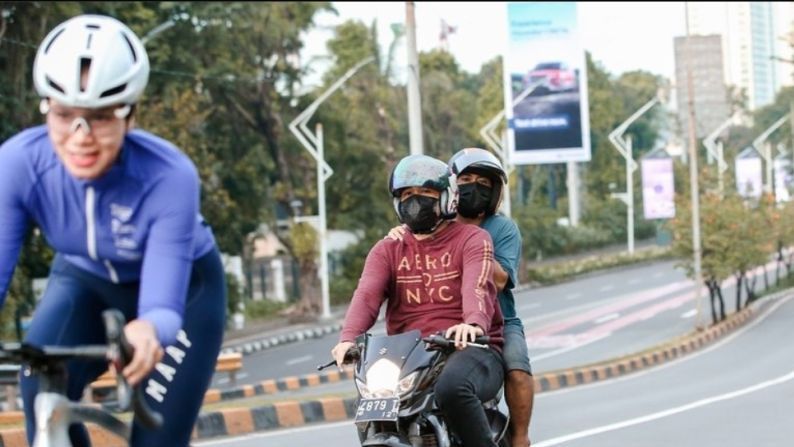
[
  {"x": 594, "y": 318},
  {"x": 736, "y": 392}
]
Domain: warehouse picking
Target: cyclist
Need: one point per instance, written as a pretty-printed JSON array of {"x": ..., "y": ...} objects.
[
  {"x": 121, "y": 209},
  {"x": 481, "y": 179},
  {"x": 438, "y": 279}
]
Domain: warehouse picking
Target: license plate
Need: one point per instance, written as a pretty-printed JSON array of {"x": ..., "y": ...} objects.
[{"x": 385, "y": 409}]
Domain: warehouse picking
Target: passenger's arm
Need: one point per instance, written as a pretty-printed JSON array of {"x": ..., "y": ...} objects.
[
  {"x": 500, "y": 276},
  {"x": 507, "y": 253}
]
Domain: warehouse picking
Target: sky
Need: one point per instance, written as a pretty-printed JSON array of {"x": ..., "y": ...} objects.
[{"x": 621, "y": 36}]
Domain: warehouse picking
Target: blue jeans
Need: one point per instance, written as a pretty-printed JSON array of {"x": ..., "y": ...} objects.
[
  {"x": 469, "y": 378},
  {"x": 70, "y": 314}
]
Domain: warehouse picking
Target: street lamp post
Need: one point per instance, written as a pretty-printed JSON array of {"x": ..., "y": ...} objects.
[
  {"x": 714, "y": 148},
  {"x": 313, "y": 142},
  {"x": 765, "y": 150},
  {"x": 624, "y": 146}
]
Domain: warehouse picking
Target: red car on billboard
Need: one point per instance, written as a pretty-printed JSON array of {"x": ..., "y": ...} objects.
[{"x": 553, "y": 77}]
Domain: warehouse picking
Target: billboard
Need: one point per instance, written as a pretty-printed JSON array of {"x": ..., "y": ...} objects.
[
  {"x": 658, "y": 191},
  {"x": 545, "y": 80},
  {"x": 748, "y": 174}
]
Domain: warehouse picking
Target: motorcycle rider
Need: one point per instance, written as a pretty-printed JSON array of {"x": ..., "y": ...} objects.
[
  {"x": 481, "y": 179},
  {"x": 437, "y": 279}
]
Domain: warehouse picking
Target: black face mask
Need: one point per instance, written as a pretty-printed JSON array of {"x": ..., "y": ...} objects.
[
  {"x": 474, "y": 199},
  {"x": 419, "y": 213}
]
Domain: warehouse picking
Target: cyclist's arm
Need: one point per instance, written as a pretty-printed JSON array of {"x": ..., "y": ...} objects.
[
  {"x": 368, "y": 297},
  {"x": 14, "y": 182},
  {"x": 168, "y": 258}
]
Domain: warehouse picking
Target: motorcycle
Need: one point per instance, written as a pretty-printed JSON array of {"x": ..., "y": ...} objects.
[{"x": 395, "y": 377}]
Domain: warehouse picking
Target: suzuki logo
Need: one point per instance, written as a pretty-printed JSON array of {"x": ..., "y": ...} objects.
[{"x": 382, "y": 351}]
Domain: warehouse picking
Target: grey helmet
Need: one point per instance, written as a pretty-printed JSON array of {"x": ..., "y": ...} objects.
[{"x": 424, "y": 172}]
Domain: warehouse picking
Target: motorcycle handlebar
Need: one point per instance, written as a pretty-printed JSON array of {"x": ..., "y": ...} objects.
[
  {"x": 481, "y": 341},
  {"x": 351, "y": 355}
]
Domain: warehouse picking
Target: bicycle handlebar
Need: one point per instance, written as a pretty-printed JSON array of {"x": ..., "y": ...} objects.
[
  {"x": 114, "y": 330},
  {"x": 118, "y": 350}
]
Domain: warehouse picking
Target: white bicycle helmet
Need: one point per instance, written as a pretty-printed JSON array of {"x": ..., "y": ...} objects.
[{"x": 116, "y": 60}]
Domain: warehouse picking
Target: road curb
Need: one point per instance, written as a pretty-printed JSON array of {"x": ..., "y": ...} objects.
[
  {"x": 295, "y": 413},
  {"x": 273, "y": 386},
  {"x": 250, "y": 347}
]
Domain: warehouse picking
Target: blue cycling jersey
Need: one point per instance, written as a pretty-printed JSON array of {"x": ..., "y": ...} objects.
[{"x": 138, "y": 222}]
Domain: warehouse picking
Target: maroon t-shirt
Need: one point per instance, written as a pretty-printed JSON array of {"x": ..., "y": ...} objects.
[{"x": 429, "y": 285}]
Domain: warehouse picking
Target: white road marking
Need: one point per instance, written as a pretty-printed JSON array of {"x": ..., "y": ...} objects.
[
  {"x": 573, "y": 296},
  {"x": 689, "y": 313},
  {"x": 634, "y": 281},
  {"x": 669, "y": 412},
  {"x": 606, "y": 288},
  {"x": 606, "y": 318},
  {"x": 297, "y": 360},
  {"x": 658, "y": 274}
]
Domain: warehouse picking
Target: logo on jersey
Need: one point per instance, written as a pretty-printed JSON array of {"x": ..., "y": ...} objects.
[{"x": 124, "y": 232}]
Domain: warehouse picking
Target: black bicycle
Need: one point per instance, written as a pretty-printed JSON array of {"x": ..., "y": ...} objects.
[{"x": 54, "y": 411}]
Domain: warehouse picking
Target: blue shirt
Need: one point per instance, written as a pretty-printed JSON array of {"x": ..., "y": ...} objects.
[
  {"x": 139, "y": 221},
  {"x": 507, "y": 252}
]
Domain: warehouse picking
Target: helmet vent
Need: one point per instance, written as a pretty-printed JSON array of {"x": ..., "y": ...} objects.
[
  {"x": 88, "y": 44},
  {"x": 85, "y": 66},
  {"x": 52, "y": 41},
  {"x": 113, "y": 90},
  {"x": 132, "y": 49},
  {"x": 92, "y": 26},
  {"x": 52, "y": 84}
]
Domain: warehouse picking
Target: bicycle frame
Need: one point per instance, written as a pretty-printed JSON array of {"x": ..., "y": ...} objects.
[{"x": 55, "y": 412}]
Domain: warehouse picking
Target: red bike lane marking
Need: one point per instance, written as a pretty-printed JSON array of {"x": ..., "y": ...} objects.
[{"x": 548, "y": 337}]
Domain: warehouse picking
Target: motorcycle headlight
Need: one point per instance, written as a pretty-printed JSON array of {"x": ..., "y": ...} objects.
[
  {"x": 407, "y": 383},
  {"x": 382, "y": 378}
]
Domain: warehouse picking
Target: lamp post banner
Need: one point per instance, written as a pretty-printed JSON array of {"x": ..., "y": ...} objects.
[
  {"x": 658, "y": 191},
  {"x": 544, "y": 49},
  {"x": 748, "y": 177}
]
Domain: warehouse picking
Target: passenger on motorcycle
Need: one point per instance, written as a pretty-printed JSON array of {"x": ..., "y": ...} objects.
[{"x": 438, "y": 279}]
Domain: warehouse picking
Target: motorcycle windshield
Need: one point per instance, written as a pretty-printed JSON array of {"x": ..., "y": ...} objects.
[{"x": 404, "y": 350}]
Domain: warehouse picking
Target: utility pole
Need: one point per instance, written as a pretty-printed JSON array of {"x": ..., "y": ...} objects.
[
  {"x": 414, "y": 98},
  {"x": 693, "y": 177}
]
